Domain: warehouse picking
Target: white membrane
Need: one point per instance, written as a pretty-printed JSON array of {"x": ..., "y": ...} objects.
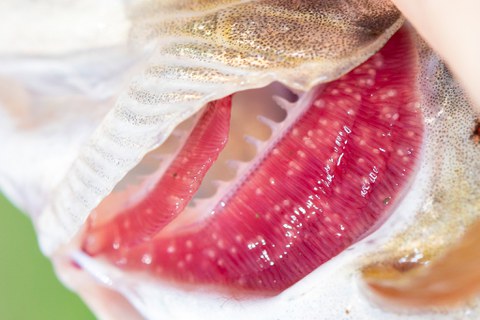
[{"x": 29, "y": 27}]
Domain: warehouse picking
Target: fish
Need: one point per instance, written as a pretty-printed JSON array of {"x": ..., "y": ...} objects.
[{"x": 93, "y": 128}]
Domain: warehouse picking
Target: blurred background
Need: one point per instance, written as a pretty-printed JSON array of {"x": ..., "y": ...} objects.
[{"x": 29, "y": 288}]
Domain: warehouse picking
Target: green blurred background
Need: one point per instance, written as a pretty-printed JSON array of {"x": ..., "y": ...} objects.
[{"x": 29, "y": 288}]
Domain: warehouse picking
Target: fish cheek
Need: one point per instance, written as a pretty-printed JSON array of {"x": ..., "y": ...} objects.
[{"x": 430, "y": 258}]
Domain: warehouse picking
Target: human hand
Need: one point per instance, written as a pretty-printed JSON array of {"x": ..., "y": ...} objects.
[{"x": 452, "y": 29}]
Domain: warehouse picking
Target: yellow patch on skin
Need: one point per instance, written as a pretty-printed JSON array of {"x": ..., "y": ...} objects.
[{"x": 447, "y": 281}]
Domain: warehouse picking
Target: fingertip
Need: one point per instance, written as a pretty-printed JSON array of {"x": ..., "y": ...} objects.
[{"x": 451, "y": 28}]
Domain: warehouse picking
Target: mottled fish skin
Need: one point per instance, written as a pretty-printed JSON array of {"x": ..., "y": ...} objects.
[{"x": 199, "y": 55}]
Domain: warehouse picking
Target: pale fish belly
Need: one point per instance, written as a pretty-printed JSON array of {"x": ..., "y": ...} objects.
[{"x": 359, "y": 167}]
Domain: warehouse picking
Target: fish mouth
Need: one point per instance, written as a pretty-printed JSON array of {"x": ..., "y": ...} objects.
[{"x": 320, "y": 170}]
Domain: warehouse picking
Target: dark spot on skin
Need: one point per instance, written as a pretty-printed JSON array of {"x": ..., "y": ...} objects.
[
  {"x": 75, "y": 265},
  {"x": 175, "y": 174},
  {"x": 386, "y": 201},
  {"x": 475, "y": 136},
  {"x": 404, "y": 266}
]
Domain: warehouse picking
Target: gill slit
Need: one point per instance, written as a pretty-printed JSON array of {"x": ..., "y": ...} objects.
[{"x": 225, "y": 189}]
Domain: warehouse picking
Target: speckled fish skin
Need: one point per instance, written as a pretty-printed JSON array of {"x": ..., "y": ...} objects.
[{"x": 171, "y": 80}]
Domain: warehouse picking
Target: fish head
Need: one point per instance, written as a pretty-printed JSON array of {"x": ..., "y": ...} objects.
[{"x": 85, "y": 133}]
